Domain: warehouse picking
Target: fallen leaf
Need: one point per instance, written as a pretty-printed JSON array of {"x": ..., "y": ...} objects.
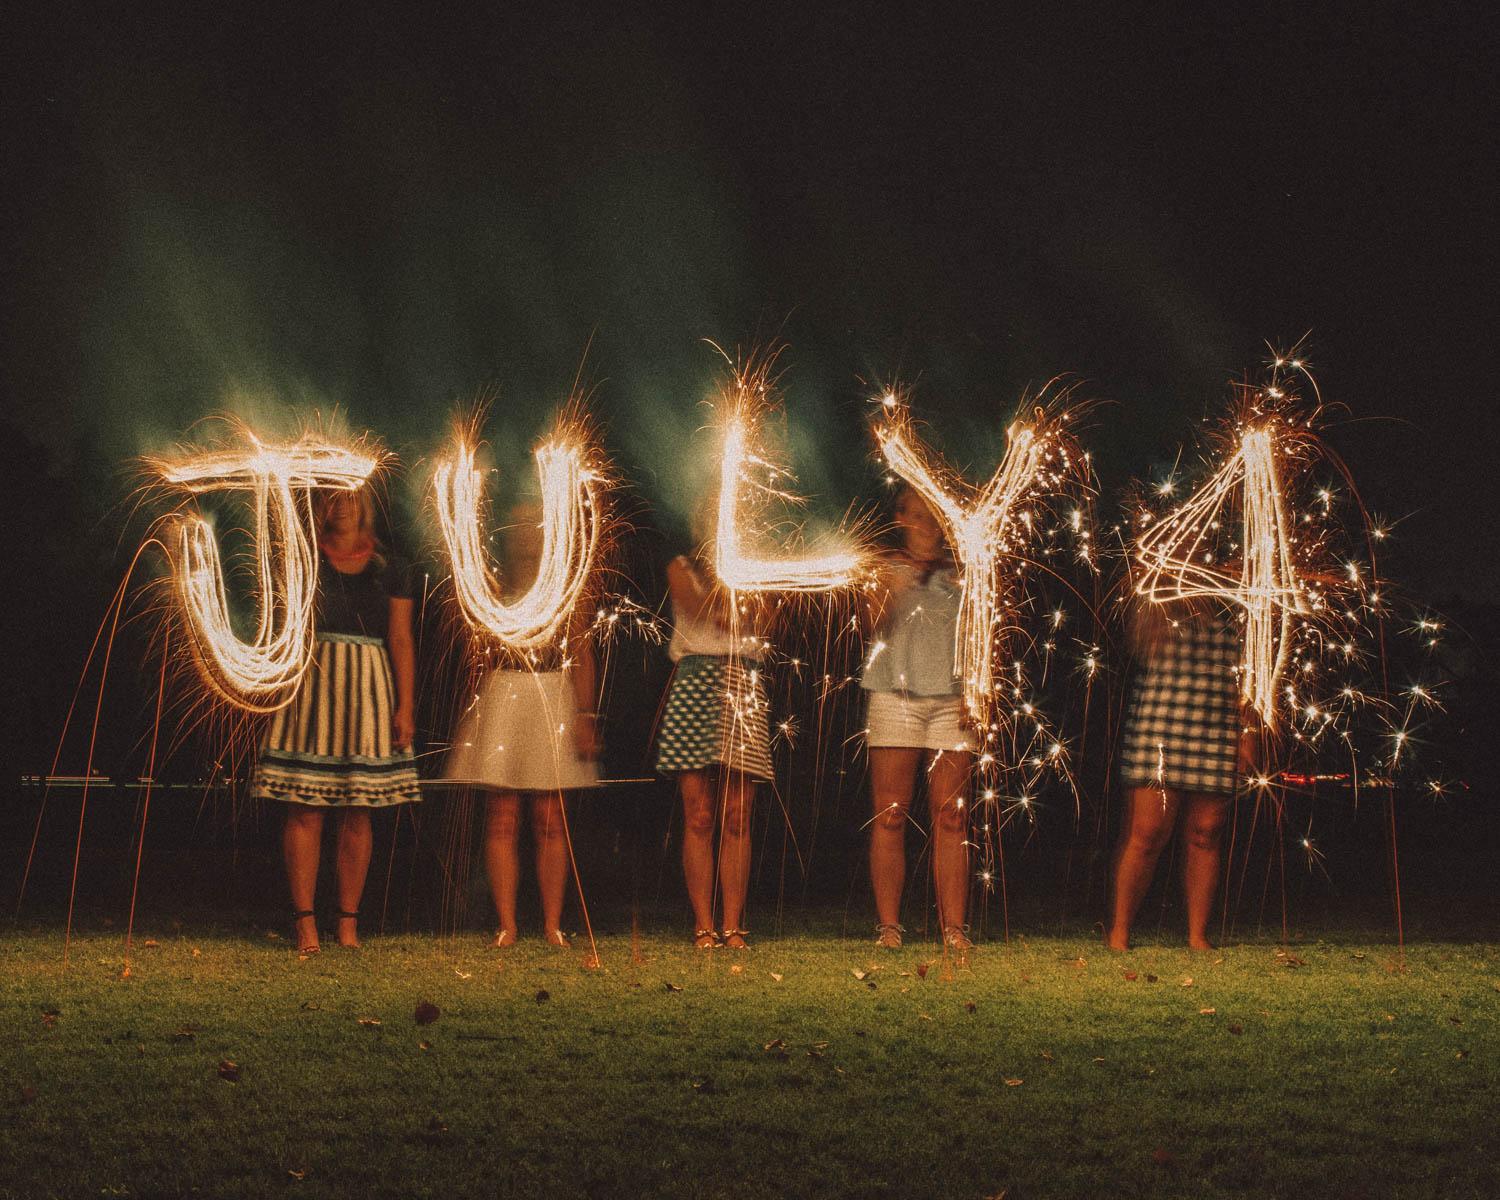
[
  {"x": 424, "y": 1045},
  {"x": 1456, "y": 1020},
  {"x": 1014, "y": 1082},
  {"x": 970, "y": 1006},
  {"x": 1046, "y": 1056},
  {"x": 272, "y": 936},
  {"x": 1131, "y": 976},
  {"x": 1150, "y": 978},
  {"x": 151, "y": 943},
  {"x": 185, "y": 1033},
  {"x": 736, "y": 969},
  {"x": 1162, "y": 1158},
  {"x": 195, "y": 952},
  {"x": 774, "y": 1044},
  {"x": 1207, "y": 1012},
  {"x": 543, "y": 995},
  {"x": 297, "y": 1173},
  {"x": 775, "y": 977},
  {"x": 814, "y": 1052},
  {"x": 1098, "y": 1060},
  {"x": 28, "y": 1094},
  {"x": 229, "y": 1070},
  {"x": 1461, "y": 1054},
  {"x": 705, "y": 1085},
  {"x": 310, "y": 1006},
  {"x": 1079, "y": 963},
  {"x": 463, "y": 974},
  {"x": 1187, "y": 981},
  {"x": 1359, "y": 956},
  {"x": 858, "y": 974},
  {"x": 426, "y": 1013},
  {"x": 922, "y": 970},
  {"x": 924, "y": 1016},
  {"x": 1236, "y": 1030},
  {"x": 671, "y": 987}
]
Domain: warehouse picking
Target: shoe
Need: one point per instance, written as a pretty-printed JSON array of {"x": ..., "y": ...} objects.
[
  {"x": 956, "y": 938},
  {"x": 888, "y": 937},
  {"x": 743, "y": 935},
  {"x": 305, "y": 946}
]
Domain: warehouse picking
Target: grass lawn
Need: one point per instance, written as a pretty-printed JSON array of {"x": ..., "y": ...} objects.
[{"x": 1045, "y": 1067}]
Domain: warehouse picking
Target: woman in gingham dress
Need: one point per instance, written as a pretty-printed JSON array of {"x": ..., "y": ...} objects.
[
  {"x": 344, "y": 742},
  {"x": 714, "y": 736},
  {"x": 1184, "y": 745}
]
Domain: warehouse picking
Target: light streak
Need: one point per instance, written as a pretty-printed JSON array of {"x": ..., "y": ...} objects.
[
  {"x": 260, "y": 674},
  {"x": 1177, "y": 561},
  {"x": 987, "y": 527},
  {"x": 571, "y": 487},
  {"x": 743, "y": 558}
]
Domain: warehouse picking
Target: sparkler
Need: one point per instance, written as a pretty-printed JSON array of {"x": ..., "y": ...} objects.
[
  {"x": 260, "y": 674},
  {"x": 987, "y": 527},
  {"x": 1177, "y": 561},
  {"x": 572, "y": 526},
  {"x": 747, "y": 484}
]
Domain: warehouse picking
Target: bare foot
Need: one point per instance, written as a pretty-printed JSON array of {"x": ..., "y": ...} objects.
[
  {"x": 1117, "y": 940},
  {"x": 307, "y": 934},
  {"x": 349, "y": 932},
  {"x": 1201, "y": 945}
]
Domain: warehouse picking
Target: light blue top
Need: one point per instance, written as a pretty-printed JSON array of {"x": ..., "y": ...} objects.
[{"x": 913, "y": 650}]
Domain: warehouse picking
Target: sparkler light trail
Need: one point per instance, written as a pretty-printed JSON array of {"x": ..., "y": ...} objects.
[
  {"x": 572, "y": 484},
  {"x": 1177, "y": 558},
  {"x": 987, "y": 528},
  {"x": 261, "y": 674},
  {"x": 747, "y": 485}
]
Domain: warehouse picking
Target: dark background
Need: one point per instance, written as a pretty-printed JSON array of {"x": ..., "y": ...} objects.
[{"x": 385, "y": 220}]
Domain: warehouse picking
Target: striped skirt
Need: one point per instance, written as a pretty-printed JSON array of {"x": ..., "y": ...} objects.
[
  {"x": 716, "y": 714},
  {"x": 1183, "y": 729},
  {"x": 331, "y": 746}
]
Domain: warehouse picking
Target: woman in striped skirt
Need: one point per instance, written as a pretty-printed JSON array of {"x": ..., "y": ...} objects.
[
  {"x": 714, "y": 737},
  {"x": 345, "y": 740},
  {"x": 1186, "y": 742}
]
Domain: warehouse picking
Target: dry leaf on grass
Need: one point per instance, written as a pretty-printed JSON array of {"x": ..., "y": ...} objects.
[
  {"x": 736, "y": 969},
  {"x": 1014, "y": 1082},
  {"x": 1046, "y": 1056},
  {"x": 426, "y": 1013},
  {"x": 1162, "y": 1158},
  {"x": 1187, "y": 981},
  {"x": 776, "y": 978},
  {"x": 670, "y": 986},
  {"x": 922, "y": 970},
  {"x": 1131, "y": 976},
  {"x": 1207, "y": 1012},
  {"x": 371, "y": 1021},
  {"x": 1236, "y": 1029},
  {"x": 28, "y": 1094},
  {"x": 229, "y": 1070},
  {"x": 970, "y": 1006},
  {"x": 543, "y": 995},
  {"x": 297, "y": 1173}
]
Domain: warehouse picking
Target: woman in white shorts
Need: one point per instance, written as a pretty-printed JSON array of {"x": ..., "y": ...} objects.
[
  {"x": 530, "y": 735},
  {"x": 913, "y": 720}
]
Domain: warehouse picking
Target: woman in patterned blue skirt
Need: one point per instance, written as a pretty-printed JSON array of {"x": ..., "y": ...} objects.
[
  {"x": 1186, "y": 741},
  {"x": 714, "y": 737},
  {"x": 344, "y": 742}
]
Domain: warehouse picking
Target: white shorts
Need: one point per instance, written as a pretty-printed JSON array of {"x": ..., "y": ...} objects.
[{"x": 917, "y": 722}]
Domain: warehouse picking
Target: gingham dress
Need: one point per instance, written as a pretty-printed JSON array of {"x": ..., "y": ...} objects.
[
  {"x": 1183, "y": 730},
  {"x": 716, "y": 715}
]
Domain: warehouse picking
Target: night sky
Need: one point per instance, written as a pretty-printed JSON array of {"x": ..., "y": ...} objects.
[{"x": 390, "y": 219}]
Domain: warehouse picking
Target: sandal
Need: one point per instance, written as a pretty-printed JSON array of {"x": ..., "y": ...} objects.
[
  {"x": 503, "y": 938},
  {"x": 742, "y": 934},
  {"x": 349, "y": 916},
  {"x": 556, "y": 937},
  {"x": 706, "y": 939},
  {"x": 888, "y": 937},
  {"x": 956, "y": 938},
  {"x": 298, "y": 916}
]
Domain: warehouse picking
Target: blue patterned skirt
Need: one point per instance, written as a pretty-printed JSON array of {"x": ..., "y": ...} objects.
[{"x": 716, "y": 714}]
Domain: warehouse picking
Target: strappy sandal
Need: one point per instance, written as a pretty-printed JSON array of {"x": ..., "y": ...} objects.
[
  {"x": 350, "y": 916},
  {"x": 888, "y": 936},
  {"x": 556, "y": 937},
  {"x": 304, "y": 914},
  {"x": 956, "y": 938},
  {"x": 742, "y": 934},
  {"x": 503, "y": 938},
  {"x": 706, "y": 939}
]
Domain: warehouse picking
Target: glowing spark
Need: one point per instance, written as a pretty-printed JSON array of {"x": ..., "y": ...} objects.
[
  {"x": 261, "y": 674},
  {"x": 1174, "y": 555},
  {"x": 571, "y": 530}
]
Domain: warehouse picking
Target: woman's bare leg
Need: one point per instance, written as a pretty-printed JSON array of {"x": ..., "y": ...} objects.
[
  {"x": 356, "y": 842},
  {"x": 1203, "y": 821},
  {"x": 502, "y": 864},
  {"x": 1148, "y": 826},
  {"x": 737, "y": 799},
  {"x": 301, "y": 842},
  {"x": 698, "y": 844},
  {"x": 948, "y": 801},
  {"x": 893, "y": 778},
  {"x": 550, "y": 833}
]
